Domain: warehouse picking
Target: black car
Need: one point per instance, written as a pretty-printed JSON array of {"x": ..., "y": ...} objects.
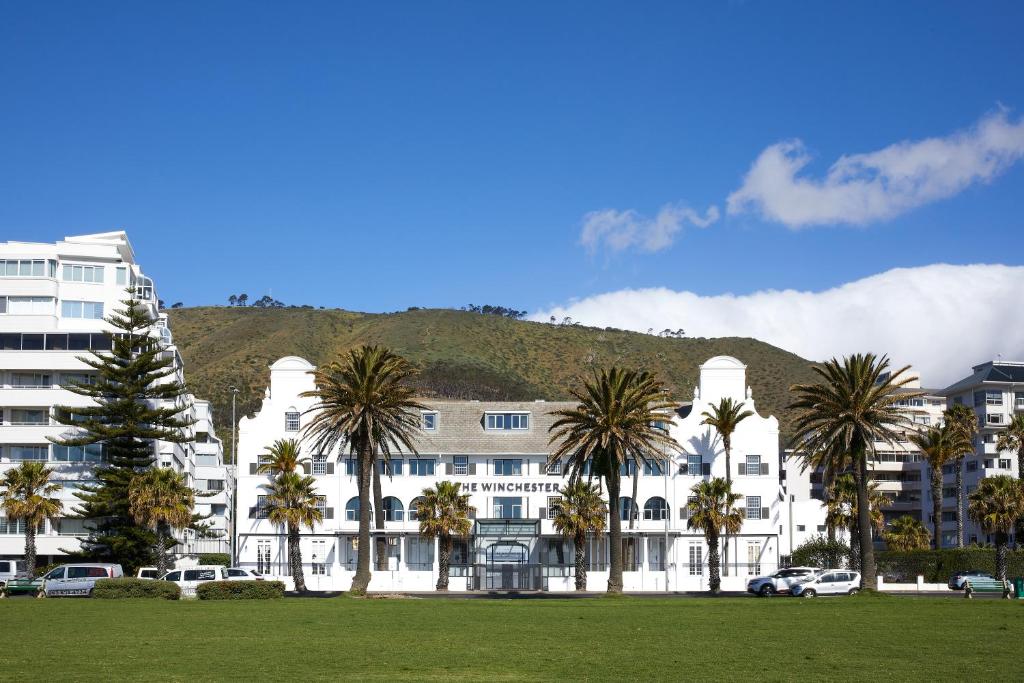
[{"x": 956, "y": 579}]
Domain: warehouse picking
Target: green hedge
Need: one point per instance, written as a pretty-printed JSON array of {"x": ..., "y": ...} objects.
[
  {"x": 936, "y": 565},
  {"x": 222, "y": 559},
  {"x": 240, "y": 590},
  {"x": 118, "y": 589}
]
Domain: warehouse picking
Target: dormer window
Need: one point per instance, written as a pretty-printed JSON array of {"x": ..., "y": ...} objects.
[
  {"x": 291, "y": 421},
  {"x": 507, "y": 421},
  {"x": 429, "y": 421}
]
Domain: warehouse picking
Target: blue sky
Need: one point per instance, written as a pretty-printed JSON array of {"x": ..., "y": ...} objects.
[{"x": 436, "y": 154}]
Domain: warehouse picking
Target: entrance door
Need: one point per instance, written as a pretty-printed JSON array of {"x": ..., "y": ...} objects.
[{"x": 506, "y": 562}]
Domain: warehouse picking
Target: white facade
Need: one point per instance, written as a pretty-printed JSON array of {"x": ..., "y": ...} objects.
[
  {"x": 53, "y": 298},
  {"x": 498, "y": 451}
]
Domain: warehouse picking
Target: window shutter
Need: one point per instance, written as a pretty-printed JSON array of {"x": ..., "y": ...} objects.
[
  {"x": 252, "y": 511},
  {"x": 252, "y": 468},
  {"x": 684, "y": 513},
  {"x": 472, "y": 468},
  {"x": 682, "y": 468},
  {"x": 449, "y": 468},
  {"x": 543, "y": 513},
  {"x": 305, "y": 468},
  {"x": 764, "y": 468},
  {"x": 764, "y": 513},
  {"x": 472, "y": 514},
  {"x": 743, "y": 513},
  {"x": 742, "y": 469},
  {"x": 705, "y": 468},
  {"x": 329, "y": 513},
  {"x": 330, "y": 468}
]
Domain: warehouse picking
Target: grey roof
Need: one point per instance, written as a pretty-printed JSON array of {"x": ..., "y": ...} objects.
[
  {"x": 993, "y": 371},
  {"x": 460, "y": 428}
]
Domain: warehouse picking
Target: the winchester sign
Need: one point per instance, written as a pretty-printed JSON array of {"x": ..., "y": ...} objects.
[{"x": 511, "y": 487}]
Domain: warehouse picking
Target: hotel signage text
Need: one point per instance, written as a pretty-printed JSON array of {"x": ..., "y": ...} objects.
[{"x": 511, "y": 487}]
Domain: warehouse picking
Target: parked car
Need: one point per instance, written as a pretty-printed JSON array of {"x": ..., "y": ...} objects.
[
  {"x": 781, "y": 581},
  {"x": 189, "y": 579},
  {"x": 956, "y": 579},
  {"x": 240, "y": 574},
  {"x": 147, "y": 573},
  {"x": 77, "y": 579},
  {"x": 829, "y": 582},
  {"x": 10, "y": 569}
]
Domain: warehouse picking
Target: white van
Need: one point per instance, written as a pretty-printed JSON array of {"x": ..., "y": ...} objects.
[
  {"x": 147, "y": 573},
  {"x": 10, "y": 569},
  {"x": 189, "y": 579},
  {"x": 78, "y": 579}
]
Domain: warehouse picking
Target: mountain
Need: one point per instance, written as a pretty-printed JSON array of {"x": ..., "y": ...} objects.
[{"x": 461, "y": 354}]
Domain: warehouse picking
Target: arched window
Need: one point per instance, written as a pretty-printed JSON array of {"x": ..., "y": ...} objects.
[
  {"x": 352, "y": 509},
  {"x": 627, "y": 507},
  {"x": 393, "y": 510},
  {"x": 656, "y": 508},
  {"x": 507, "y": 552},
  {"x": 414, "y": 515}
]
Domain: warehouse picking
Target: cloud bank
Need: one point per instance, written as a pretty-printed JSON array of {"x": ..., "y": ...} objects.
[
  {"x": 619, "y": 230},
  {"x": 863, "y": 188},
  {"x": 942, "y": 319}
]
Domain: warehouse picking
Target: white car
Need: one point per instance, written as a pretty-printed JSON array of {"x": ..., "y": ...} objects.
[
  {"x": 240, "y": 574},
  {"x": 189, "y": 579},
  {"x": 781, "y": 581},
  {"x": 829, "y": 582}
]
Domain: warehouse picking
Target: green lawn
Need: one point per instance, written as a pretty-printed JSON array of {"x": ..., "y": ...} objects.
[{"x": 882, "y": 638}]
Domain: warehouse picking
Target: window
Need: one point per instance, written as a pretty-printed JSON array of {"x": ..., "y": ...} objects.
[
  {"x": 627, "y": 469},
  {"x": 696, "y": 559},
  {"x": 262, "y": 507},
  {"x": 91, "y": 310},
  {"x": 90, "y": 453},
  {"x": 319, "y": 464},
  {"x": 393, "y": 510},
  {"x": 993, "y": 418},
  {"x": 922, "y": 420},
  {"x": 554, "y": 505},
  {"x": 949, "y": 492},
  {"x": 801, "y": 527},
  {"x": 20, "y": 453},
  {"x": 420, "y": 554},
  {"x": 29, "y": 416},
  {"x": 694, "y": 466},
  {"x": 972, "y": 465},
  {"x": 319, "y": 557},
  {"x": 263, "y": 557},
  {"x": 429, "y": 421},
  {"x": 461, "y": 464},
  {"x": 414, "y": 509},
  {"x": 508, "y": 467},
  {"x": 421, "y": 467},
  {"x": 390, "y": 468},
  {"x": 753, "y": 465},
  {"x": 27, "y": 305},
  {"x": 554, "y": 553},
  {"x": 631, "y": 554},
  {"x": 351, "y": 467},
  {"x": 321, "y": 505},
  {"x": 822, "y": 527},
  {"x": 626, "y": 508},
  {"x": 656, "y": 553},
  {"x": 394, "y": 551},
  {"x": 27, "y": 268},
  {"x": 656, "y": 509},
  {"x": 82, "y": 273},
  {"x": 1004, "y": 463},
  {"x": 554, "y": 467},
  {"x": 121, "y": 275},
  {"x": 993, "y": 397},
  {"x": 654, "y": 468},
  {"x": 31, "y": 380},
  {"x": 1019, "y": 399},
  {"x": 753, "y": 559},
  {"x": 753, "y": 507},
  {"x": 505, "y": 507},
  {"x": 507, "y": 421},
  {"x": 352, "y": 509},
  {"x": 291, "y": 421}
]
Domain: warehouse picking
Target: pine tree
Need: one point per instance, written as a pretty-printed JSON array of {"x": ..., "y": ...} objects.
[{"x": 137, "y": 402}]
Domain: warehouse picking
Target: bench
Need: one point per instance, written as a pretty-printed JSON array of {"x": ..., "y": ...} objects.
[
  {"x": 983, "y": 585},
  {"x": 19, "y": 586}
]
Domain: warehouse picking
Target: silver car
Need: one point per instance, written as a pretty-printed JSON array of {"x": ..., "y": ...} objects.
[{"x": 78, "y": 579}]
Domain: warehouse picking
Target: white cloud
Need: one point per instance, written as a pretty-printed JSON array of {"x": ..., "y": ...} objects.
[
  {"x": 875, "y": 186},
  {"x": 619, "y": 230},
  {"x": 942, "y": 319}
]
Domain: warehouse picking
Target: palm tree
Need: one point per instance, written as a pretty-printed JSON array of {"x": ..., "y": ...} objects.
[
  {"x": 996, "y": 505},
  {"x": 841, "y": 510},
  {"x": 292, "y": 503},
  {"x": 906, "y": 533},
  {"x": 725, "y": 418},
  {"x": 712, "y": 510},
  {"x": 158, "y": 499},
  {"x": 282, "y": 456},
  {"x": 939, "y": 446},
  {"x": 965, "y": 421},
  {"x": 364, "y": 402},
  {"x": 851, "y": 408},
  {"x": 580, "y": 512},
  {"x": 614, "y": 423},
  {"x": 27, "y": 493},
  {"x": 444, "y": 514}
]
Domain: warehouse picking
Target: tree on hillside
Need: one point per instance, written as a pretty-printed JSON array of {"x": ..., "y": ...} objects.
[
  {"x": 242, "y": 298},
  {"x": 712, "y": 510},
  {"x": 364, "y": 402},
  {"x": 852, "y": 407},
  {"x": 136, "y": 402},
  {"x": 28, "y": 496},
  {"x": 613, "y": 425},
  {"x": 581, "y": 511},
  {"x": 443, "y": 512},
  {"x": 964, "y": 420},
  {"x": 159, "y": 499},
  {"x": 177, "y": 304},
  {"x": 232, "y": 300}
]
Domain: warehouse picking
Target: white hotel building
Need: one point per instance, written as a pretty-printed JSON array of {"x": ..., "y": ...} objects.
[
  {"x": 53, "y": 298},
  {"x": 498, "y": 451}
]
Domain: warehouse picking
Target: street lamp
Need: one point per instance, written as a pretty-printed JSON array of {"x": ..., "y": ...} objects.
[{"x": 234, "y": 481}]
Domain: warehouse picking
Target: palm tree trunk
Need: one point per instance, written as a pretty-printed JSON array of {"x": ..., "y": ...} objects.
[
  {"x": 714, "y": 562},
  {"x": 380, "y": 540},
  {"x": 30, "y": 547},
  {"x": 1001, "y": 540},
  {"x": 444, "y": 555},
  {"x": 826, "y": 482},
  {"x": 581, "y": 560},
  {"x": 868, "y": 579},
  {"x": 936, "y": 507},
  {"x": 728, "y": 480},
  {"x": 295, "y": 558},
  {"x": 161, "y": 549},
  {"x": 614, "y": 534},
  {"x": 960, "y": 502},
  {"x": 361, "y": 581}
]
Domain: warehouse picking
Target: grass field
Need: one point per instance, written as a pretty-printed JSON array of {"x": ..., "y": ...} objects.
[{"x": 880, "y": 638}]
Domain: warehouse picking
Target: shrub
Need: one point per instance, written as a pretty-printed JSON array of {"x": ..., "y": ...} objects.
[
  {"x": 119, "y": 589},
  {"x": 821, "y": 552},
  {"x": 240, "y": 590},
  {"x": 222, "y": 559},
  {"x": 936, "y": 565}
]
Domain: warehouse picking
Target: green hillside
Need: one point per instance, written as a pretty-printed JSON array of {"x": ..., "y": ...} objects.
[{"x": 461, "y": 354}]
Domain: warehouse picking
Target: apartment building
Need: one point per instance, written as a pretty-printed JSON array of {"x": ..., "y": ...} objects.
[
  {"x": 499, "y": 452},
  {"x": 53, "y": 298}
]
